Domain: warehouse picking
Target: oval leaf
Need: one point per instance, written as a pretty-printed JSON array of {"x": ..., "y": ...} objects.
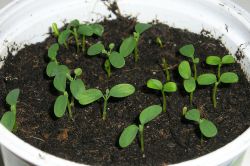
[
  {"x": 213, "y": 60},
  {"x": 63, "y": 36},
  {"x": 85, "y": 30},
  {"x": 51, "y": 69},
  {"x": 141, "y": 27},
  {"x": 150, "y": 113},
  {"x": 193, "y": 114},
  {"x": 128, "y": 135},
  {"x": 228, "y": 59},
  {"x": 184, "y": 69},
  {"x": 8, "y": 120},
  {"x": 52, "y": 51},
  {"x": 229, "y": 77},
  {"x": 207, "y": 79},
  {"x": 74, "y": 23},
  {"x": 97, "y": 29},
  {"x": 127, "y": 46},
  {"x": 78, "y": 72},
  {"x": 208, "y": 129},
  {"x": 60, "y": 82},
  {"x": 187, "y": 50},
  {"x": 89, "y": 96},
  {"x": 122, "y": 90},
  {"x": 154, "y": 84},
  {"x": 77, "y": 87},
  {"x": 190, "y": 85},
  {"x": 170, "y": 87},
  {"x": 116, "y": 60},
  {"x": 60, "y": 105},
  {"x": 95, "y": 49},
  {"x": 12, "y": 96}
]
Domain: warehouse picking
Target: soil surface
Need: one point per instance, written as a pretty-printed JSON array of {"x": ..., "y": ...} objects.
[{"x": 90, "y": 140}]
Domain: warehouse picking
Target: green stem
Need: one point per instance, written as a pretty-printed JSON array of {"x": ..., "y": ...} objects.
[
  {"x": 136, "y": 52},
  {"x": 164, "y": 101},
  {"x": 214, "y": 94},
  {"x": 69, "y": 110},
  {"x": 77, "y": 41},
  {"x": 104, "y": 114},
  {"x": 191, "y": 98},
  {"x": 165, "y": 68},
  {"x": 195, "y": 71},
  {"x": 218, "y": 74},
  {"x": 108, "y": 68},
  {"x": 141, "y": 128},
  {"x": 13, "y": 109},
  {"x": 83, "y": 43}
]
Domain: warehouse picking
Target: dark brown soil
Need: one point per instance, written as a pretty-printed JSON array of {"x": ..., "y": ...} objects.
[{"x": 90, "y": 140}]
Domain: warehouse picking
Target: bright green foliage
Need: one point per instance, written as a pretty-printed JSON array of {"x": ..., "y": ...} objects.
[
  {"x": 52, "y": 51},
  {"x": 184, "y": 70},
  {"x": 55, "y": 30},
  {"x": 9, "y": 118},
  {"x": 63, "y": 37},
  {"x": 129, "y": 133},
  {"x": 117, "y": 91},
  {"x": 77, "y": 87},
  {"x": 60, "y": 105},
  {"x": 168, "y": 87},
  {"x": 141, "y": 27},
  {"x": 210, "y": 78},
  {"x": 127, "y": 46},
  {"x": 207, "y": 128}
]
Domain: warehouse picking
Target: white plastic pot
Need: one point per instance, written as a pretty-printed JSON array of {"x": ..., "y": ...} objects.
[{"x": 28, "y": 21}]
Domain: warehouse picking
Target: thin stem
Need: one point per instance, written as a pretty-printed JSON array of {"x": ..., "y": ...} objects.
[
  {"x": 141, "y": 128},
  {"x": 77, "y": 41},
  {"x": 165, "y": 68},
  {"x": 164, "y": 101},
  {"x": 69, "y": 110},
  {"x": 66, "y": 45},
  {"x": 195, "y": 71},
  {"x": 104, "y": 114},
  {"x": 191, "y": 98},
  {"x": 214, "y": 94},
  {"x": 83, "y": 43},
  {"x": 13, "y": 109},
  {"x": 136, "y": 53},
  {"x": 108, "y": 68},
  {"x": 218, "y": 74}
]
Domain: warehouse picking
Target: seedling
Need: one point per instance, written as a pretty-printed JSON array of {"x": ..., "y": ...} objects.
[
  {"x": 207, "y": 128},
  {"x": 114, "y": 58},
  {"x": 165, "y": 69},
  {"x": 117, "y": 91},
  {"x": 129, "y": 133},
  {"x": 159, "y": 42},
  {"x": 210, "y": 78},
  {"x": 9, "y": 118},
  {"x": 167, "y": 87},
  {"x": 189, "y": 81},
  {"x": 55, "y": 30}
]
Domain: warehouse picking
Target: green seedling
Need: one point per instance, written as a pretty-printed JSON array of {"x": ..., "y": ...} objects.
[
  {"x": 117, "y": 91},
  {"x": 167, "y": 87},
  {"x": 129, "y": 133},
  {"x": 165, "y": 69},
  {"x": 159, "y": 42},
  {"x": 113, "y": 58},
  {"x": 207, "y": 128},
  {"x": 210, "y": 78},
  {"x": 9, "y": 118},
  {"x": 55, "y": 30},
  {"x": 189, "y": 81}
]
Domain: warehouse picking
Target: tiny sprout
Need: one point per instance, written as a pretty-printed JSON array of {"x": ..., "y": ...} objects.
[
  {"x": 207, "y": 128},
  {"x": 117, "y": 91},
  {"x": 167, "y": 87},
  {"x": 55, "y": 30},
  {"x": 159, "y": 42},
  {"x": 8, "y": 119},
  {"x": 165, "y": 69},
  {"x": 210, "y": 78},
  {"x": 129, "y": 133},
  {"x": 114, "y": 58},
  {"x": 189, "y": 81}
]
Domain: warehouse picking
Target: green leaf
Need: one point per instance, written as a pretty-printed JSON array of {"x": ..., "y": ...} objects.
[
  {"x": 116, "y": 60},
  {"x": 62, "y": 69},
  {"x": 208, "y": 129},
  {"x": 74, "y": 23},
  {"x": 128, "y": 135},
  {"x": 98, "y": 29},
  {"x": 122, "y": 90},
  {"x": 170, "y": 87},
  {"x": 60, "y": 105},
  {"x": 127, "y": 46},
  {"x": 184, "y": 69},
  {"x": 12, "y": 96},
  {"x": 8, "y": 120},
  {"x": 63, "y": 36},
  {"x": 190, "y": 85},
  {"x": 89, "y": 96},
  {"x": 229, "y": 77},
  {"x": 52, "y": 52},
  {"x": 207, "y": 79},
  {"x": 193, "y": 115},
  {"x": 187, "y": 50},
  {"x": 85, "y": 30},
  {"x": 78, "y": 72},
  {"x": 95, "y": 49},
  {"x": 52, "y": 69},
  {"x": 196, "y": 60},
  {"x": 154, "y": 84},
  {"x": 228, "y": 59},
  {"x": 141, "y": 27},
  {"x": 77, "y": 87},
  {"x": 213, "y": 60},
  {"x": 60, "y": 82},
  {"x": 150, "y": 113}
]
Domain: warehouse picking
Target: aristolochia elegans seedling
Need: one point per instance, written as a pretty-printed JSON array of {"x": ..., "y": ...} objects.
[
  {"x": 9, "y": 118},
  {"x": 210, "y": 78},
  {"x": 189, "y": 81},
  {"x": 167, "y": 87},
  {"x": 114, "y": 58},
  {"x": 117, "y": 91},
  {"x": 207, "y": 128},
  {"x": 129, "y": 133},
  {"x": 61, "y": 74},
  {"x": 159, "y": 42}
]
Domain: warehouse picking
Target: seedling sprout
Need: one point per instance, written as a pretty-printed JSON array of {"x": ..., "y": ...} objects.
[{"x": 159, "y": 41}]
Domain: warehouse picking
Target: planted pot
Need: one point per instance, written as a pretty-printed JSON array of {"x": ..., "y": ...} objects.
[{"x": 27, "y": 22}]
